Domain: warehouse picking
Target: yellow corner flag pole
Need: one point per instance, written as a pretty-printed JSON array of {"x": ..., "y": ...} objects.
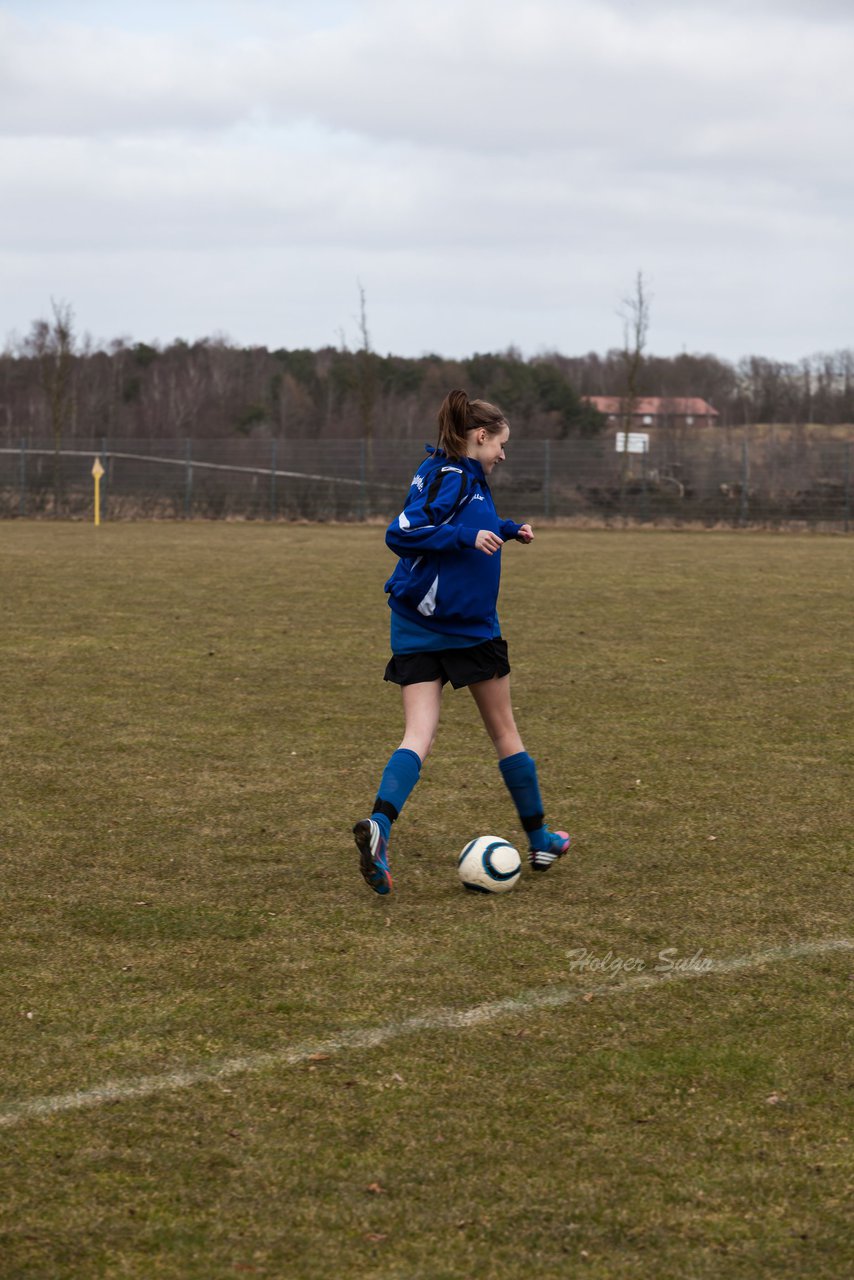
[{"x": 97, "y": 472}]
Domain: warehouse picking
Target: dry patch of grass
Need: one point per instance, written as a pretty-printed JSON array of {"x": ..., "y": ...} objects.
[{"x": 193, "y": 717}]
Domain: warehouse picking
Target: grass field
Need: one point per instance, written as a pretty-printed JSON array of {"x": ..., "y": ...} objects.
[{"x": 192, "y": 718}]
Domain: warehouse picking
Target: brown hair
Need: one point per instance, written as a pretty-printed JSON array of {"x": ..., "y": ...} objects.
[{"x": 459, "y": 415}]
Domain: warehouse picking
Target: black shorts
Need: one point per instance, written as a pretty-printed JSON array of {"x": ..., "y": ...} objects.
[{"x": 462, "y": 667}]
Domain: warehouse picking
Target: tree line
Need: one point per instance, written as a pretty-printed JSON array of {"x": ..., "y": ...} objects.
[{"x": 57, "y": 385}]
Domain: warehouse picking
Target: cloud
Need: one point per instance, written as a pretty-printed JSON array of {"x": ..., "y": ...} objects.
[
  {"x": 529, "y": 154},
  {"x": 491, "y": 77}
]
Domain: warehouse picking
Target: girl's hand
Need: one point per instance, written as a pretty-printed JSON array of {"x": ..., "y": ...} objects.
[
  {"x": 525, "y": 534},
  {"x": 488, "y": 542}
]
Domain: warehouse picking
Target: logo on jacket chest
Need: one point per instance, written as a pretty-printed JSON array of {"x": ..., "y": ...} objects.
[{"x": 478, "y": 497}]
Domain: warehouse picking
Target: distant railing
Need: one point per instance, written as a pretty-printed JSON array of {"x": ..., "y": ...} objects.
[{"x": 724, "y": 478}]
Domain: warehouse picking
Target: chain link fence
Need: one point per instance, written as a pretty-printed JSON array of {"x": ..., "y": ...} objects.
[{"x": 725, "y": 478}]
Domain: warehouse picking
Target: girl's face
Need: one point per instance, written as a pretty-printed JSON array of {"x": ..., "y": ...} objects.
[{"x": 486, "y": 448}]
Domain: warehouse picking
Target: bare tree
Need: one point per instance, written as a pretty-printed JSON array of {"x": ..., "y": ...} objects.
[
  {"x": 6, "y": 394},
  {"x": 635, "y": 317},
  {"x": 52, "y": 343},
  {"x": 367, "y": 377}
]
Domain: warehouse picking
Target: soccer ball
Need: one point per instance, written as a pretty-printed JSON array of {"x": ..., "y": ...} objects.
[{"x": 489, "y": 865}]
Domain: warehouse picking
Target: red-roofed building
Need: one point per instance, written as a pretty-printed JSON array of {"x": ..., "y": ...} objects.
[{"x": 657, "y": 411}]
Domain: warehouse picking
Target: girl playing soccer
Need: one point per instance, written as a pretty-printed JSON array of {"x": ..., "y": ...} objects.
[{"x": 444, "y": 625}]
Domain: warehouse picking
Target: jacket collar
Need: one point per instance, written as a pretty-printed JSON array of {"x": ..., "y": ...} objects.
[{"x": 470, "y": 465}]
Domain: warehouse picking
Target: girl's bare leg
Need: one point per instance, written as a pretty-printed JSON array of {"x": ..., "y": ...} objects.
[
  {"x": 493, "y": 702},
  {"x": 518, "y": 771},
  {"x": 422, "y": 704}
]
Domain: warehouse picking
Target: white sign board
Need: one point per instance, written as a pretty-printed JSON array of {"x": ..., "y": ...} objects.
[{"x": 632, "y": 442}]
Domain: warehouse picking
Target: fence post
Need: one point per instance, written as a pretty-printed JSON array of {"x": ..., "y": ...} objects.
[
  {"x": 644, "y": 502},
  {"x": 547, "y": 478},
  {"x": 745, "y": 478},
  {"x": 22, "y": 499},
  {"x": 847, "y": 485},
  {"x": 188, "y": 488},
  {"x": 362, "y": 482},
  {"x": 273, "y": 480},
  {"x": 106, "y": 477}
]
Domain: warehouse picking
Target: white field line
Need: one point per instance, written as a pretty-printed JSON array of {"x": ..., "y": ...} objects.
[{"x": 554, "y": 997}]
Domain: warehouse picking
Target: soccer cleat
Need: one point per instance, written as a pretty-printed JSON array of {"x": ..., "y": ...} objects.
[
  {"x": 373, "y": 855},
  {"x": 542, "y": 859}
]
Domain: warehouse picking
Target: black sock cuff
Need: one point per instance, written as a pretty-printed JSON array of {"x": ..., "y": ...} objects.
[
  {"x": 386, "y": 808},
  {"x": 535, "y": 821}
]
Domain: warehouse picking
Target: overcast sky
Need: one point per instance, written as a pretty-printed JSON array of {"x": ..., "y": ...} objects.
[{"x": 494, "y": 172}]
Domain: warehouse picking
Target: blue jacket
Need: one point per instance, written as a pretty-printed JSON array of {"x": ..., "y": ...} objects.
[{"x": 441, "y": 581}]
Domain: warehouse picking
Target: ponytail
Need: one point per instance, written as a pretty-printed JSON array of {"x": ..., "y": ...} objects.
[
  {"x": 459, "y": 415},
  {"x": 453, "y": 417}
]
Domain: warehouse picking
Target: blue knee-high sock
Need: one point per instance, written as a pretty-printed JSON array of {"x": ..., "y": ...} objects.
[
  {"x": 520, "y": 776},
  {"x": 399, "y": 777}
]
